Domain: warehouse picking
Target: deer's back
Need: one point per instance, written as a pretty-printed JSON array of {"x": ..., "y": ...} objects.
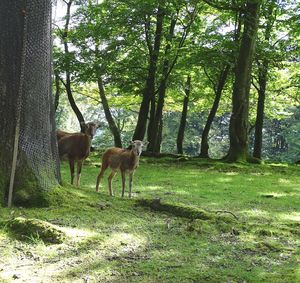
[
  {"x": 74, "y": 146},
  {"x": 119, "y": 158}
]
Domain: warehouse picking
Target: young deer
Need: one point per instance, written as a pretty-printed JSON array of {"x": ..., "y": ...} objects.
[
  {"x": 123, "y": 159},
  {"x": 76, "y": 147}
]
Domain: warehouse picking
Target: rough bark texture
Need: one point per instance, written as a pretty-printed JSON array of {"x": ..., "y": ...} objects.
[
  {"x": 180, "y": 135},
  {"x": 111, "y": 122},
  {"x": 238, "y": 128},
  {"x": 148, "y": 93},
  {"x": 25, "y": 43}
]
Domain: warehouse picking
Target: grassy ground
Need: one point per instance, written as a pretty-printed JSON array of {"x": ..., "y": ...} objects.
[{"x": 114, "y": 240}]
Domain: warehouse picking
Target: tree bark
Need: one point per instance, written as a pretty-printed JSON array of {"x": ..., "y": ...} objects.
[
  {"x": 182, "y": 124},
  {"x": 112, "y": 125},
  {"x": 26, "y": 102},
  {"x": 238, "y": 128},
  {"x": 262, "y": 80},
  {"x": 149, "y": 89}
]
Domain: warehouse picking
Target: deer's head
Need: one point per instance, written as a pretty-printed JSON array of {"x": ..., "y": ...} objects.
[{"x": 137, "y": 146}]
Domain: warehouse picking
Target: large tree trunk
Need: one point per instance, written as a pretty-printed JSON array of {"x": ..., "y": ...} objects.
[
  {"x": 204, "y": 139},
  {"x": 262, "y": 80},
  {"x": 27, "y": 132},
  {"x": 238, "y": 128},
  {"x": 112, "y": 125},
  {"x": 182, "y": 124},
  {"x": 67, "y": 83},
  {"x": 149, "y": 90}
]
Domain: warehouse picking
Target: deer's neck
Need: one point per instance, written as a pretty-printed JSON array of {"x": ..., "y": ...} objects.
[{"x": 134, "y": 158}]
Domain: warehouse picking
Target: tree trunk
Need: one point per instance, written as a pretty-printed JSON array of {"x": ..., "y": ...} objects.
[
  {"x": 204, "y": 139},
  {"x": 182, "y": 124},
  {"x": 151, "y": 119},
  {"x": 27, "y": 132},
  {"x": 67, "y": 83},
  {"x": 112, "y": 125},
  {"x": 149, "y": 90},
  {"x": 218, "y": 91},
  {"x": 238, "y": 128},
  {"x": 262, "y": 80},
  {"x": 154, "y": 142},
  {"x": 260, "y": 110}
]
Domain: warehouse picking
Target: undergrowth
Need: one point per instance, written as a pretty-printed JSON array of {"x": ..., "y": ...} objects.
[{"x": 251, "y": 233}]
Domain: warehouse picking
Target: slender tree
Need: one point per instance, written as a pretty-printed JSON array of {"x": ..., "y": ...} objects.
[
  {"x": 182, "y": 125},
  {"x": 111, "y": 122},
  {"x": 263, "y": 68},
  {"x": 149, "y": 89},
  {"x": 67, "y": 82}
]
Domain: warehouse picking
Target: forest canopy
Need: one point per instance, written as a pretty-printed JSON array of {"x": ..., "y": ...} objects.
[{"x": 168, "y": 72}]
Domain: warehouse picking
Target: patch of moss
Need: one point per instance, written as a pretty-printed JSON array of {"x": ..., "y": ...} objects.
[
  {"x": 27, "y": 191},
  {"x": 270, "y": 245},
  {"x": 176, "y": 209},
  {"x": 25, "y": 229}
]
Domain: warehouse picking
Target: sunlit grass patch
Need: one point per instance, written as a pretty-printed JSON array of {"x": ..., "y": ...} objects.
[{"x": 110, "y": 239}]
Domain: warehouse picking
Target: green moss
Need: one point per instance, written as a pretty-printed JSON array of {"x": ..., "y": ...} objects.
[
  {"x": 176, "y": 209},
  {"x": 26, "y": 229}
]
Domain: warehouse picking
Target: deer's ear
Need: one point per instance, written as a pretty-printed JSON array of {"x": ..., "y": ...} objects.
[
  {"x": 132, "y": 142},
  {"x": 145, "y": 143}
]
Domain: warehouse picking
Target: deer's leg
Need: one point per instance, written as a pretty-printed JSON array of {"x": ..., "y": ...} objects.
[
  {"x": 112, "y": 174},
  {"x": 79, "y": 166},
  {"x": 130, "y": 183},
  {"x": 100, "y": 175},
  {"x": 71, "y": 162},
  {"x": 123, "y": 182}
]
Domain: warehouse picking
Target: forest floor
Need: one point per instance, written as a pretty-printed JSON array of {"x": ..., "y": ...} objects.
[{"x": 110, "y": 239}]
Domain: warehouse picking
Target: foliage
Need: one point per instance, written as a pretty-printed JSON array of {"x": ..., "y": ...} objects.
[{"x": 109, "y": 37}]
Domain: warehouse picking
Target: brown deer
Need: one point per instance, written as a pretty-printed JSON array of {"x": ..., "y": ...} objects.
[
  {"x": 76, "y": 147},
  {"x": 60, "y": 134},
  {"x": 123, "y": 159}
]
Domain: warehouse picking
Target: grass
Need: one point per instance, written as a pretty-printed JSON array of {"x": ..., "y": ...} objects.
[{"x": 116, "y": 240}]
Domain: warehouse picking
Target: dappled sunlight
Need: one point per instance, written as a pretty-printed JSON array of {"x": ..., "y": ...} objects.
[
  {"x": 231, "y": 173},
  {"x": 293, "y": 216},
  {"x": 284, "y": 181},
  {"x": 77, "y": 234},
  {"x": 224, "y": 180},
  {"x": 154, "y": 188},
  {"x": 256, "y": 213}
]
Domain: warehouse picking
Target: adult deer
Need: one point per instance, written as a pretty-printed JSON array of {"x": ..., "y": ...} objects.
[
  {"x": 122, "y": 159},
  {"x": 76, "y": 147}
]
